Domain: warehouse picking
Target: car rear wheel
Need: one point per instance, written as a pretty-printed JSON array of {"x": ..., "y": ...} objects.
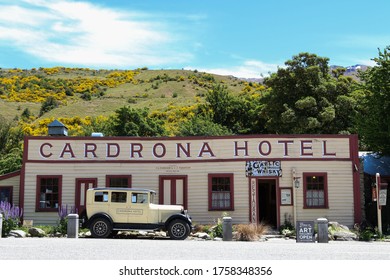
[
  {"x": 178, "y": 230},
  {"x": 100, "y": 228}
]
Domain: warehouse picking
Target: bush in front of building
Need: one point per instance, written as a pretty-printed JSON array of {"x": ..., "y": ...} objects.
[
  {"x": 251, "y": 232},
  {"x": 11, "y": 217},
  {"x": 62, "y": 223}
]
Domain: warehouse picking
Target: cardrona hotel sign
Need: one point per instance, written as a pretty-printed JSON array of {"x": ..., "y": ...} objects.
[{"x": 185, "y": 149}]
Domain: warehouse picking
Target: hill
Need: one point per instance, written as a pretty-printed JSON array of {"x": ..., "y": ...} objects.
[{"x": 84, "y": 92}]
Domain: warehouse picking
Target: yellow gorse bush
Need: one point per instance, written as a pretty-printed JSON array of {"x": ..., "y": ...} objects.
[{"x": 36, "y": 86}]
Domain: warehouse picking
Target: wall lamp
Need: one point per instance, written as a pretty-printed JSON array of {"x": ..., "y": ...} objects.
[
  {"x": 296, "y": 182},
  {"x": 296, "y": 179}
]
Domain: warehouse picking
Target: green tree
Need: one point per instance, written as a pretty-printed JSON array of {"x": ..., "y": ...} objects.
[
  {"x": 303, "y": 97},
  {"x": 136, "y": 122},
  {"x": 201, "y": 126},
  {"x": 374, "y": 122},
  {"x": 11, "y": 137},
  {"x": 49, "y": 104},
  {"x": 239, "y": 114}
]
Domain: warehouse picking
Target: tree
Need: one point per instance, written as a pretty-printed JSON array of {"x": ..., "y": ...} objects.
[
  {"x": 239, "y": 114},
  {"x": 201, "y": 126},
  {"x": 136, "y": 122},
  {"x": 303, "y": 97},
  {"x": 11, "y": 137},
  {"x": 374, "y": 122},
  {"x": 49, "y": 104}
]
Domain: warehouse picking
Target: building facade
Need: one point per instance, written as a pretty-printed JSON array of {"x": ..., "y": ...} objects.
[{"x": 256, "y": 178}]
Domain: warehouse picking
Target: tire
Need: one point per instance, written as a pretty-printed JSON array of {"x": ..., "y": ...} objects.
[
  {"x": 178, "y": 230},
  {"x": 100, "y": 228}
]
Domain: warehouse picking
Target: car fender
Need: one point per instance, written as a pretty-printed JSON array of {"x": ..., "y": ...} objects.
[
  {"x": 98, "y": 215},
  {"x": 180, "y": 217}
]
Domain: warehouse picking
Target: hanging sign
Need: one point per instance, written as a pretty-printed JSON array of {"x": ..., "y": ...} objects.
[
  {"x": 382, "y": 197},
  {"x": 263, "y": 168}
]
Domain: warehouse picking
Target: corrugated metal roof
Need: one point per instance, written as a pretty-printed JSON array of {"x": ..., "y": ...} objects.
[{"x": 374, "y": 163}]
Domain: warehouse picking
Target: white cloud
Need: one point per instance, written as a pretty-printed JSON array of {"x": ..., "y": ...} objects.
[
  {"x": 249, "y": 69},
  {"x": 86, "y": 34}
]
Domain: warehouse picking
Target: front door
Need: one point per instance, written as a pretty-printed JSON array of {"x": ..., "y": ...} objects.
[
  {"x": 267, "y": 202},
  {"x": 173, "y": 190},
  {"x": 82, "y": 185}
]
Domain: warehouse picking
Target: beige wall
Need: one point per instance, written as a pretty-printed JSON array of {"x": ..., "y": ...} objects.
[
  {"x": 14, "y": 182},
  {"x": 340, "y": 188},
  {"x": 142, "y": 149},
  {"x": 92, "y": 157}
]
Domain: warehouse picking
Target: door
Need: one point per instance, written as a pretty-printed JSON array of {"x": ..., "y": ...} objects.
[
  {"x": 173, "y": 190},
  {"x": 82, "y": 185},
  {"x": 267, "y": 202}
]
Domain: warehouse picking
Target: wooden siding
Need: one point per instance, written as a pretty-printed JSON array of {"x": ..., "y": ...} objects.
[
  {"x": 146, "y": 175},
  {"x": 150, "y": 149},
  {"x": 14, "y": 182}
]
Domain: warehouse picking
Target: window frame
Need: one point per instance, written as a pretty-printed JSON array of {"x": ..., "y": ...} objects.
[
  {"x": 305, "y": 175},
  {"x": 38, "y": 207},
  {"x": 210, "y": 190},
  {"x": 128, "y": 177}
]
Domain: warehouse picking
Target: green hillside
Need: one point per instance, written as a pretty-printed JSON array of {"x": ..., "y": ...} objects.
[{"x": 154, "y": 89}]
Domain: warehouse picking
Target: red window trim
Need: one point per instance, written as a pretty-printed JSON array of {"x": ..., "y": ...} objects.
[
  {"x": 220, "y": 175},
  {"x": 108, "y": 177},
  {"x": 38, "y": 192},
  {"x": 318, "y": 174},
  {"x": 11, "y": 188}
]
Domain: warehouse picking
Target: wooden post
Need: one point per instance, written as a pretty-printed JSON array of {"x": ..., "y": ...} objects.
[{"x": 378, "y": 207}]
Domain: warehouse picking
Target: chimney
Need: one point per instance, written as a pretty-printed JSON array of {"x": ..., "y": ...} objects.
[{"x": 57, "y": 128}]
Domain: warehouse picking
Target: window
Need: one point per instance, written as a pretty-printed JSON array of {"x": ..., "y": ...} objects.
[
  {"x": 101, "y": 196},
  {"x": 315, "y": 190},
  {"x": 48, "y": 193},
  {"x": 120, "y": 197},
  {"x": 139, "y": 198},
  {"x": 118, "y": 181},
  {"x": 221, "y": 192},
  {"x": 6, "y": 194}
]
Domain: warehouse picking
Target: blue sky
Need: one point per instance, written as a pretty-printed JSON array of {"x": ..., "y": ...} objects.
[{"x": 243, "y": 38}]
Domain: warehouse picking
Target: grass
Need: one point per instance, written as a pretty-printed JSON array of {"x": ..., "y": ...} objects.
[
  {"x": 147, "y": 92},
  {"x": 251, "y": 232}
]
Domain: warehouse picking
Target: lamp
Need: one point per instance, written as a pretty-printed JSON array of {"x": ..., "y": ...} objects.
[{"x": 296, "y": 181}]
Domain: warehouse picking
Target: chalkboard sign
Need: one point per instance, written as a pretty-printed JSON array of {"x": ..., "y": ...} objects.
[{"x": 305, "y": 231}]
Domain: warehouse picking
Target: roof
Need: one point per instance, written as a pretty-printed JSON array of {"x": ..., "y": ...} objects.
[
  {"x": 122, "y": 189},
  {"x": 374, "y": 163},
  {"x": 10, "y": 175},
  {"x": 56, "y": 123}
]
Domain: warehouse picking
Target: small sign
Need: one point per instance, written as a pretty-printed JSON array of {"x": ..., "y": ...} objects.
[
  {"x": 305, "y": 231},
  {"x": 382, "y": 197},
  {"x": 263, "y": 168},
  {"x": 285, "y": 196},
  {"x": 373, "y": 193}
]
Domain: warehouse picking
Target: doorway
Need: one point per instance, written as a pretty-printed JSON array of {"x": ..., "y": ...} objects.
[
  {"x": 267, "y": 202},
  {"x": 82, "y": 185},
  {"x": 173, "y": 190}
]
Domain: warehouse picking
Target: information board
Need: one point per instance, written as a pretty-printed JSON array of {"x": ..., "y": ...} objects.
[{"x": 305, "y": 231}]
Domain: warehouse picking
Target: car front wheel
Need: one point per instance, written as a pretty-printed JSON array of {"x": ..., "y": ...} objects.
[
  {"x": 100, "y": 228},
  {"x": 178, "y": 230}
]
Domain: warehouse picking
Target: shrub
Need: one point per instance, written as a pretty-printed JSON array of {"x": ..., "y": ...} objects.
[
  {"x": 251, "y": 232},
  {"x": 62, "y": 224},
  {"x": 11, "y": 217}
]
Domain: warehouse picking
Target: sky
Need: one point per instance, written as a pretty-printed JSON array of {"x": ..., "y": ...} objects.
[{"x": 243, "y": 38}]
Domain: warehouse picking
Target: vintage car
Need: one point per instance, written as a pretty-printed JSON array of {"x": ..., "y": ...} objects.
[{"x": 110, "y": 210}]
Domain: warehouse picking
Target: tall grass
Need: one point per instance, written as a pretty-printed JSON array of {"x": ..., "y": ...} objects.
[{"x": 251, "y": 232}]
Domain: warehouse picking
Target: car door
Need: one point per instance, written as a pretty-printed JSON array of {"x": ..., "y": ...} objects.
[
  {"x": 119, "y": 206},
  {"x": 139, "y": 208}
]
